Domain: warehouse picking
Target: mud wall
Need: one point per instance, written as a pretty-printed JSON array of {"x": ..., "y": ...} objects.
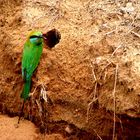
[{"x": 91, "y": 76}]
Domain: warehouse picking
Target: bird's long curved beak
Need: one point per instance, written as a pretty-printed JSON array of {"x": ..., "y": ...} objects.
[{"x": 44, "y": 36}]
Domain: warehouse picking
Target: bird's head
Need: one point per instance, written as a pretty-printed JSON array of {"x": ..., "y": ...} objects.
[{"x": 35, "y": 37}]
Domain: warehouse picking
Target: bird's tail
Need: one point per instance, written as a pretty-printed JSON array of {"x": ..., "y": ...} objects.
[
  {"x": 26, "y": 90},
  {"x": 21, "y": 111},
  {"x": 25, "y": 95}
]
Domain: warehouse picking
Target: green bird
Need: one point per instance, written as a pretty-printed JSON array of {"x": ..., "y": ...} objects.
[
  {"x": 32, "y": 51},
  {"x": 31, "y": 56},
  {"x": 30, "y": 59}
]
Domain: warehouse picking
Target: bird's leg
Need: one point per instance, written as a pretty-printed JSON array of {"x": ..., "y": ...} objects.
[
  {"x": 31, "y": 102},
  {"x": 21, "y": 112}
]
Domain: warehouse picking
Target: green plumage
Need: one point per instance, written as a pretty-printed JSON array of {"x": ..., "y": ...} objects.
[{"x": 31, "y": 56}]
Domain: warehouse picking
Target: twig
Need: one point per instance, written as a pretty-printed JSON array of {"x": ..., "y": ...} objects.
[
  {"x": 136, "y": 34},
  {"x": 110, "y": 58},
  {"x": 32, "y": 93},
  {"x": 44, "y": 93},
  {"x": 93, "y": 72},
  {"x": 52, "y": 20},
  {"x": 98, "y": 135},
  {"x": 116, "y": 50},
  {"x": 95, "y": 89},
  {"x": 39, "y": 106},
  {"x": 105, "y": 76},
  {"x": 109, "y": 63},
  {"x": 40, "y": 110},
  {"x": 120, "y": 123},
  {"x": 93, "y": 100},
  {"x": 110, "y": 32},
  {"x": 114, "y": 102}
]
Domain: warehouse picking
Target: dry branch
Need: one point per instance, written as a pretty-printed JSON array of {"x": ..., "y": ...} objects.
[{"x": 114, "y": 102}]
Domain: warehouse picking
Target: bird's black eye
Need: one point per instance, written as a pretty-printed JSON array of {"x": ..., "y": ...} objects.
[{"x": 35, "y": 36}]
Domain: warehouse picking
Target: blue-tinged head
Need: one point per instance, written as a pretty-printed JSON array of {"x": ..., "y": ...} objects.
[{"x": 35, "y": 37}]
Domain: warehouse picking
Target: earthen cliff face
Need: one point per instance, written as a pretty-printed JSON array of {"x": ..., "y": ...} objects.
[{"x": 92, "y": 76}]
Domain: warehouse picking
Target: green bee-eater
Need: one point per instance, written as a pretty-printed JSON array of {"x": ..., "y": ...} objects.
[{"x": 31, "y": 56}]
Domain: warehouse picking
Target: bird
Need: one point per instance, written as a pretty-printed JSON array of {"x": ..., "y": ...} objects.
[{"x": 32, "y": 51}]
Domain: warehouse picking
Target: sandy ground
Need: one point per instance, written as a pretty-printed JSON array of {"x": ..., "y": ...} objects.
[
  {"x": 92, "y": 76},
  {"x": 10, "y": 130}
]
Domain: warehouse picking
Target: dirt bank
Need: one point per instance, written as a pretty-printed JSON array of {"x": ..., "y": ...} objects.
[{"x": 92, "y": 77}]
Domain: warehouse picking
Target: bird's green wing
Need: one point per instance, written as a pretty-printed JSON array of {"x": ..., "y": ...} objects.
[{"x": 30, "y": 59}]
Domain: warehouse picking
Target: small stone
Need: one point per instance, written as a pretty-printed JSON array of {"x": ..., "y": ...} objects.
[
  {"x": 129, "y": 7},
  {"x": 68, "y": 129},
  {"x": 16, "y": 125}
]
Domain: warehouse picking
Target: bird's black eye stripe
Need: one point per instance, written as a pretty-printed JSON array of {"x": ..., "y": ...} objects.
[{"x": 35, "y": 36}]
